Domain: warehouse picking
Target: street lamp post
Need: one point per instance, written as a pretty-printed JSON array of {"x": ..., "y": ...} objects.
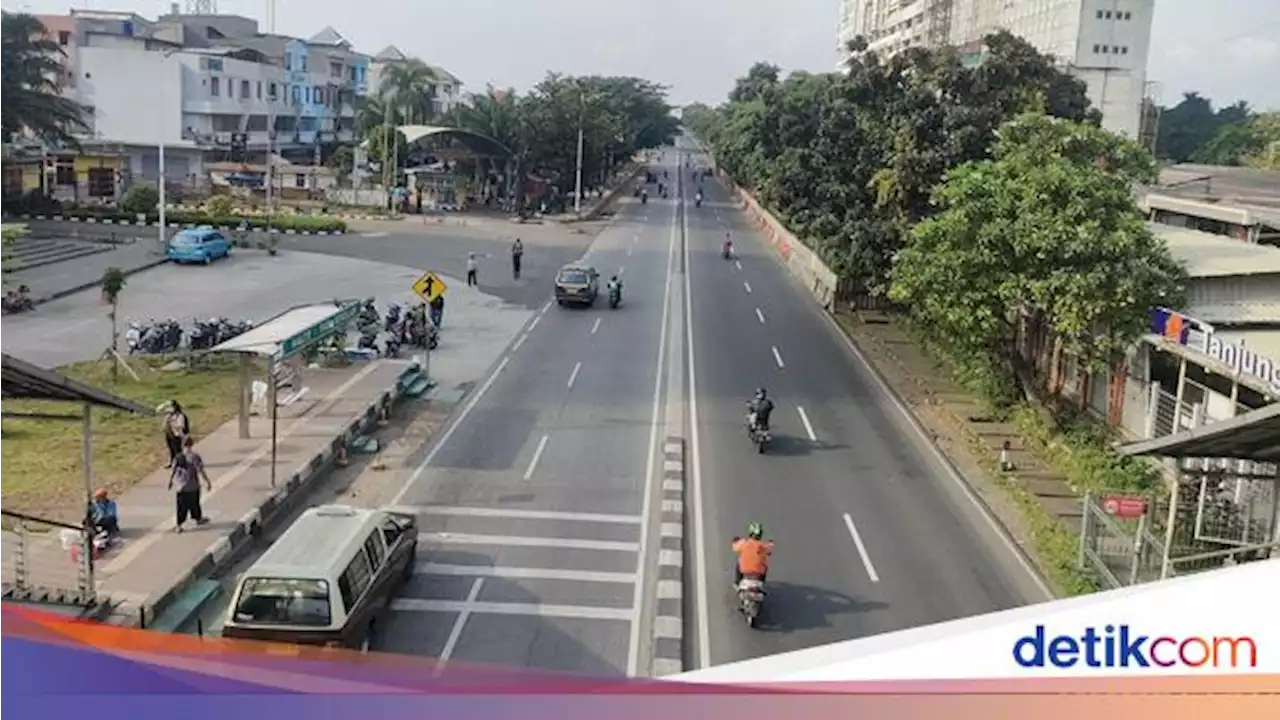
[{"x": 577, "y": 185}]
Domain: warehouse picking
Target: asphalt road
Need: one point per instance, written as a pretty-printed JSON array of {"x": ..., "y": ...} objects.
[
  {"x": 533, "y": 503},
  {"x": 872, "y": 533}
]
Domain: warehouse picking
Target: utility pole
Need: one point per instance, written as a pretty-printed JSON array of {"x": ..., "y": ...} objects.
[{"x": 577, "y": 185}]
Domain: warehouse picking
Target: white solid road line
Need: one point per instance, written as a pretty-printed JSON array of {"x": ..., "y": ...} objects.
[
  {"x": 537, "y": 455},
  {"x": 458, "y": 624},
  {"x": 534, "y": 324},
  {"x": 514, "y": 514},
  {"x": 777, "y": 357},
  {"x": 546, "y": 306},
  {"x": 447, "y": 538},
  {"x": 449, "y": 432},
  {"x": 595, "y": 326},
  {"x": 519, "y": 342},
  {"x": 999, "y": 530},
  {"x": 519, "y": 573},
  {"x": 373, "y": 235},
  {"x": 747, "y": 286},
  {"x": 804, "y": 418},
  {"x": 651, "y": 466},
  {"x": 700, "y": 575},
  {"x": 574, "y": 375},
  {"x": 760, "y": 315},
  {"x": 494, "y": 608},
  {"x": 862, "y": 549}
]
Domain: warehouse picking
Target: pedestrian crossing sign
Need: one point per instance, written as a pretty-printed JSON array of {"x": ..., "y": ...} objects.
[{"x": 429, "y": 287}]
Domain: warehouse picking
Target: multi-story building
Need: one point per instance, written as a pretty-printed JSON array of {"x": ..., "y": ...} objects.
[
  {"x": 1105, "y": 43},
  {"x": 209, "y": 87},
  {"x": 446, "y": 94}
]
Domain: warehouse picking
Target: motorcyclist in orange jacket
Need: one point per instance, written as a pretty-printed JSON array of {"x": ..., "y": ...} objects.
[{"x": 753, "y": 555}]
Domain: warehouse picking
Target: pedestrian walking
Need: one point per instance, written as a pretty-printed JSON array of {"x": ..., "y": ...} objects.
[
  {"x": 188, "y": 471},
  {"x": 471, "y": 270},
  {"x": 517, "y": 253},
  {"x": 176, "y": 428},
  {"x": 437, "y": 310}
]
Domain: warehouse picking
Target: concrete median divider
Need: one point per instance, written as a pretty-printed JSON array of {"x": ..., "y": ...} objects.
[
  {"x": 802, "y": 262},
  {"x": 172, "y": 608}
]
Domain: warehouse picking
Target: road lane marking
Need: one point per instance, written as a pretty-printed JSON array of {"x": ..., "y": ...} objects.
[
  {"x": 458, "y": 624},
  {"x": 760, "y": 316},
  {"x": 545, "y": 307},
  {"x": 534, "y": 324},
  {"x": 519, "y": 573},
  {"x": 537, "y": 455},
  {"x": 651, "y": 468},
  {"x": 519, "y": 342},
  {"x": 737, "y": 264},
  {"x": 448, "y": 433},
  {"x": 373, "y": 235},
  {"x": 595, "y": 326},
  {"x": 804, "y": 418},
  {"x": 629, "y": 249},
  {"x": 574, "y": 375},
  {"x": 446, "y": 538},
  {"x": 702, "y": 615},
  {"x": 514, "y": 514},
  {"x": 949, "y": 470},
  {"x": 862, "y": 549},
  {"x": 747, "y": 286},
  {"x": 581, "y": 612},
  {"x": 777, "y": 357}
]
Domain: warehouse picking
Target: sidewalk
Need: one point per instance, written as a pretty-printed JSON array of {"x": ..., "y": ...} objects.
[{"x": 155, "y": 563}]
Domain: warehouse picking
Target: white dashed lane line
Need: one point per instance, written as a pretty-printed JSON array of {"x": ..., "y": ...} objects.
[
  {"x": 862, "y": 549},
  {"x": 595, "y": 326},
  {"x": 537, "y": 455},
  {"x": 808, "y": 428},
  {"x": 777, "y": 356},
  {"x": 574, "y": 375},
  {"x": 737, "y": 264},
  {"x": 760, "y": 316},
  {"x": 747, "y": 286}
]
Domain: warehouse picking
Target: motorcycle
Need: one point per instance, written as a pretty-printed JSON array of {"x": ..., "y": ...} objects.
[
  {"x": 615, "y": 297},
  {"x": 644, "y": 198},
  {"x": 760, "y": 437},
  {"x": 750, "y": 594},
  {"x": 697, "y": 201},
  {"x": 368, "y": 339},
  {"x": 393, "y": 317},
  {"x": 205, "y": 334},
  {"x": 727, "y": 251},
  {"x": 391, "y": 348}
]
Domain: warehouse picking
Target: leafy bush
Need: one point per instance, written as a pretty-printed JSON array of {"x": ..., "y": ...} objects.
[
  {"x": 219, "y": 206},
  {"x": 1082, "y": 451},
  {"x": 140, "y": 199}
]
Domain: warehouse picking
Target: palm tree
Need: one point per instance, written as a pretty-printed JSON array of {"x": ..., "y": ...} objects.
[
  {"x": 494, "y": 113},
  {"x": 410, "y": 88},
  {"x": 30, "y": 91},
  {"x": 372, "y": 112}
]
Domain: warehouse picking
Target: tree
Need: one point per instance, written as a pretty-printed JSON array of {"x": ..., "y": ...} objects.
[
  {"x": 378, "y": 149},
  {"x": 410, "y": 87},
  {"x": 1188, "y": 130},
  {"x": 1253, "y": 142},
  {"x": 113, "y": 282},
  {"x": 30, "y": 89},
  {"x": 140, "y": 199},
  {"x": 1046, "y": 229}
]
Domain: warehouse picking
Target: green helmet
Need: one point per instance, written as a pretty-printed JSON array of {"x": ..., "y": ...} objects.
[{"x": 754, "y": 530}]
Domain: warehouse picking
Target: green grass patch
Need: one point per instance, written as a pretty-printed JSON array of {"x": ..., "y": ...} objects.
[
  {"x": 41, "y": 458},
  {"x": 1081, "y": 450}
]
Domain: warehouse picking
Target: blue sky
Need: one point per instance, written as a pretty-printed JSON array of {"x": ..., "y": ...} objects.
[{"x": 1225, "y": 49}]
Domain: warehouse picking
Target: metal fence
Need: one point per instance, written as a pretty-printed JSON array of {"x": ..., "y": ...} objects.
[
  {"x": 1119, "y": 551},
  {"x": 45, "y": 561}
]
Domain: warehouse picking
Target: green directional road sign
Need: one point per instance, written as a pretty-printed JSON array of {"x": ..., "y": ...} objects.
[{"x": 321, "y": 330}]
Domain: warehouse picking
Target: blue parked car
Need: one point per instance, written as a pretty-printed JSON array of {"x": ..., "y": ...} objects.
[{"x": 202, "y": 244}]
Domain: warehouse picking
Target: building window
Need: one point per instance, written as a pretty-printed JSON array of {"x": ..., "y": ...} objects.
[
  {"x": 102, "y": 182},
  {"x": 215, "y": 86},
  {"x": 1099, "y": 14},
  {"x": 1104, "y": 49},
  {"x": 1107, "y": 15},
  {"x": 300, "y": 180},
  {"x": 1115, "y": 49},
  {"x": 335, "y": 69},
  {"x": 302, "y": 63},
  {"x": 244, "y": 89},
  {"x": 1097, "y": 49},
  {"x": 272, "y": 93},
  {"x": 1127, "y": 15},
  {"x": 297, "y": 94},
  {"x": 64, "y": 37},
  {"x": 288, "y": 61},
  {"x": 1124, "y": 50},
  {"x": 259, "y": 89},
  {"x": 65, "y": 172}
]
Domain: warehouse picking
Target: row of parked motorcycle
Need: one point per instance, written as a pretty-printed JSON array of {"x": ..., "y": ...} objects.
[
  {"x": 17, "y": 301},
  {"x": 167, "y": 336},
  {"x": 402, "y": 328}
]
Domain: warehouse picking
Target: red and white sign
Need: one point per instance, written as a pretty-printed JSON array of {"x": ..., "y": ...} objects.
[{"x": 1124, "y": 506}]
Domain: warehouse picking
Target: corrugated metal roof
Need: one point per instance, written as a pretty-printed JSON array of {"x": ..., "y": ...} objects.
[
  {"x": 24, "y": 381},
  {"x": 1258, "y": 313},
  {"x": 1207, "y": 255},
  {"x": 1252, "y": 436},
  {"x": 266, "y": 338}
]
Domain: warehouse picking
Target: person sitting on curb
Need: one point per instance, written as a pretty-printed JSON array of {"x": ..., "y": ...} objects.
[{"x": 106, "y": 516}]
